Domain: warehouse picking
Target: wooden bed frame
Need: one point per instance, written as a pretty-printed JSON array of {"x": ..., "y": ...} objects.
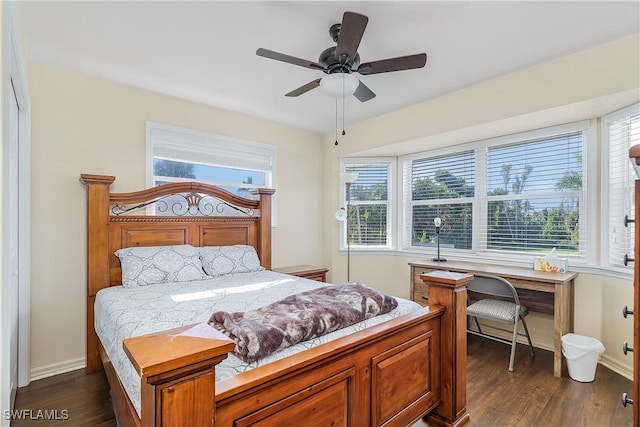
[{"x": 391, "y": 374}]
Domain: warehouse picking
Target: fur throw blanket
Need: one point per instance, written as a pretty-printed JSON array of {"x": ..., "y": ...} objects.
[{"x": 300, "y": 317}]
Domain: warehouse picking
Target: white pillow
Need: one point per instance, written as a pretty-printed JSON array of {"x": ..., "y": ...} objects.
[
  {"x": 221, "y": 260},
  {"x": 148, "y": 265}
]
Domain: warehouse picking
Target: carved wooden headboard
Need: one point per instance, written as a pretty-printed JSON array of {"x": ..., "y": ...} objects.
[{"x": 172, "y": 214}]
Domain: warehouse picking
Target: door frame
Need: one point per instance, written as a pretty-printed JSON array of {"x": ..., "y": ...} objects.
[{"x": 14, "y": 72}]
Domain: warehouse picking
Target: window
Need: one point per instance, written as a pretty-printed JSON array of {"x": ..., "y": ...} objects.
[
  {"x": 522, "y": 194},
  {"x": 620, "y": 131},
  {"x": 176, "y": 154},
  {"x": 368, "y": 203},
  {"x": 534, "y": 192},
  {"x": 442, "y": 187}
]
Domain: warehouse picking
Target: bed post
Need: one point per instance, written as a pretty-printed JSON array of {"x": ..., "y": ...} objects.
[
  {"x": 97, "y": 255},
  {"x": 178, "y": 383},
  {"x": 449, "y": 289},
  {"x": 264, "y": 243}
]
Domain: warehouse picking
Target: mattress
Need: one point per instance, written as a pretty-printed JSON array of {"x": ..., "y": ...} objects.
[{"x": 123, "y": 313}]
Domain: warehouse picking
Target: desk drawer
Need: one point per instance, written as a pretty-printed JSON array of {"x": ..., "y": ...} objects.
[{"x": 419, "y": 288}]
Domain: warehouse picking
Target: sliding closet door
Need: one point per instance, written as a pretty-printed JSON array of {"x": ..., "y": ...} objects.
[{"x": 11, "y": 237}]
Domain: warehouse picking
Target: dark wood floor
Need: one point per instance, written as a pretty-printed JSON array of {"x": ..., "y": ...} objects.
[
  {"x": 529, "y": 396},
  {"x": 532, "y": 396}
]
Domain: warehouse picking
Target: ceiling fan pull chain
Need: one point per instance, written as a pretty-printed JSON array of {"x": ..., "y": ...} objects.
[
  {"x": 343, "y": 132},
  {"x": 336, "y": 121},
  {"x": 343, "y": 97}
]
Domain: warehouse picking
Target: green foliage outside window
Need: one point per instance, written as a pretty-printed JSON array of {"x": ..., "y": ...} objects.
[
  {"x": 457, "y": 221},
  {"x": 174, "y": 169},
  {"x": 513, "y": 223},
  {"x": 367, "y": 221}
]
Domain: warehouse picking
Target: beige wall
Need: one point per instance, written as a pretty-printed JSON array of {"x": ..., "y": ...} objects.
[
  {"x": 581, "y": 86},
  {"x": 86, "y": 125}
]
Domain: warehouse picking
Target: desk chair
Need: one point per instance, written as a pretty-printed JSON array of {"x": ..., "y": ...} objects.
[{"x": 500, "y": 303}]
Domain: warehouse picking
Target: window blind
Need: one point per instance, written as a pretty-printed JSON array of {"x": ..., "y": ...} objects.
[
  {"x": 368, "y": 205},
  {"x": 518, "y": 195},
  {"x": 200, "y": 148},
  {"x": 534, "y": 196},
  {"x": 443, "y": 187},
  {"x": 372, "y": 182},
  {"x": 444, "y": 177},
  {"x": 621, "y": 130}
]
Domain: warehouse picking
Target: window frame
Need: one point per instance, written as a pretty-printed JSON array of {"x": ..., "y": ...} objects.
[
  {"x": 605, "y": 213},
  {"x": 407, "y": 204},
  {"x": 480, "y": 147},
  {"x": 391, "y": 201},
  {"x": 190, "y": 140}
]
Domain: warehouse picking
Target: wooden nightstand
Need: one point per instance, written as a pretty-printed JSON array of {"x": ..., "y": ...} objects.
[{"x": 306, "y": 271}]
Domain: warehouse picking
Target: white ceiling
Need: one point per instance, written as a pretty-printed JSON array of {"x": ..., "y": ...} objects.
[{"x": 205, "y": 51}]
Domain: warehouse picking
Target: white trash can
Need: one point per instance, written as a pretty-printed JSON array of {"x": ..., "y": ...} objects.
[{"x": 582, "y": 356}]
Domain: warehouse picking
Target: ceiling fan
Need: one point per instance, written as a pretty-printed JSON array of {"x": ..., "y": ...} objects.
[{"x": 343, "y": 59}]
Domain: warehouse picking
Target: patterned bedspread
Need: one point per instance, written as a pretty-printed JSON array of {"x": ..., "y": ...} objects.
[{"x": 122, "y": 313}]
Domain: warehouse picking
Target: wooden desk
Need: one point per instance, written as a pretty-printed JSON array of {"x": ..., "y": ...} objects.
[{"x": 550, "y": 293}]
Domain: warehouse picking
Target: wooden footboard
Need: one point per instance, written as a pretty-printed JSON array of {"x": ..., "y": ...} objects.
[
  {"x": 391, "y": 374},
  {"x": 385, "y": 375}
]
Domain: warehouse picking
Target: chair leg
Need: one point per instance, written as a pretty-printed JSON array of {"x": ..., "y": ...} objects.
[
  {"x": 478, "y": 325},
  {"x": 475, "y": 319},
  {"x": 513, "y": 346},
  {"x": 526, "y": 331}
]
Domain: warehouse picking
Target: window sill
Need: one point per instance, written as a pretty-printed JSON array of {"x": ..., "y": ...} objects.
[{"x": 579, "y": 267}]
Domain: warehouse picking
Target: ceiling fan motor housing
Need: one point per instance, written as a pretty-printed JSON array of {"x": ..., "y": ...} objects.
[{"x": 334, "y": 65}]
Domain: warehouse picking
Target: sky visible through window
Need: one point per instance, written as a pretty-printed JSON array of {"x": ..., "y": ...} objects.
[
  {"x": 549, "y": 161},
  {"x": 234, "y": 180},
  {"x": 222, "y": 174}
]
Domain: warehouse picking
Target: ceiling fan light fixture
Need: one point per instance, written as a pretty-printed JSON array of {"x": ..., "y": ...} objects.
[{"x": 339, "y": 85}]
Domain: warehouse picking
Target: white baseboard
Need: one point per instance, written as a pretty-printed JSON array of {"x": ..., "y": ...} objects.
[
  {"x": 57, "y": 368},
  {"x": 617, "y": 367}
]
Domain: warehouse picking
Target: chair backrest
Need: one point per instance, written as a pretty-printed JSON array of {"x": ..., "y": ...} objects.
[{"x": 493, "y": 286}]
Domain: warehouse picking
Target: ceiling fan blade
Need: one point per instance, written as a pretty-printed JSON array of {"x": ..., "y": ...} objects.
[
  {"x": 363, "y": 93},
  {"x": 304, "y": 88},
  {"x": 266, "y": 53},
  {"x": 351, "y": 31},
  {"x": 400, "y": 63}
]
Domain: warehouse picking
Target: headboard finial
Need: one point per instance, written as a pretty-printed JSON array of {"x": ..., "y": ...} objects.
[{"x": 87, "y": 178}]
